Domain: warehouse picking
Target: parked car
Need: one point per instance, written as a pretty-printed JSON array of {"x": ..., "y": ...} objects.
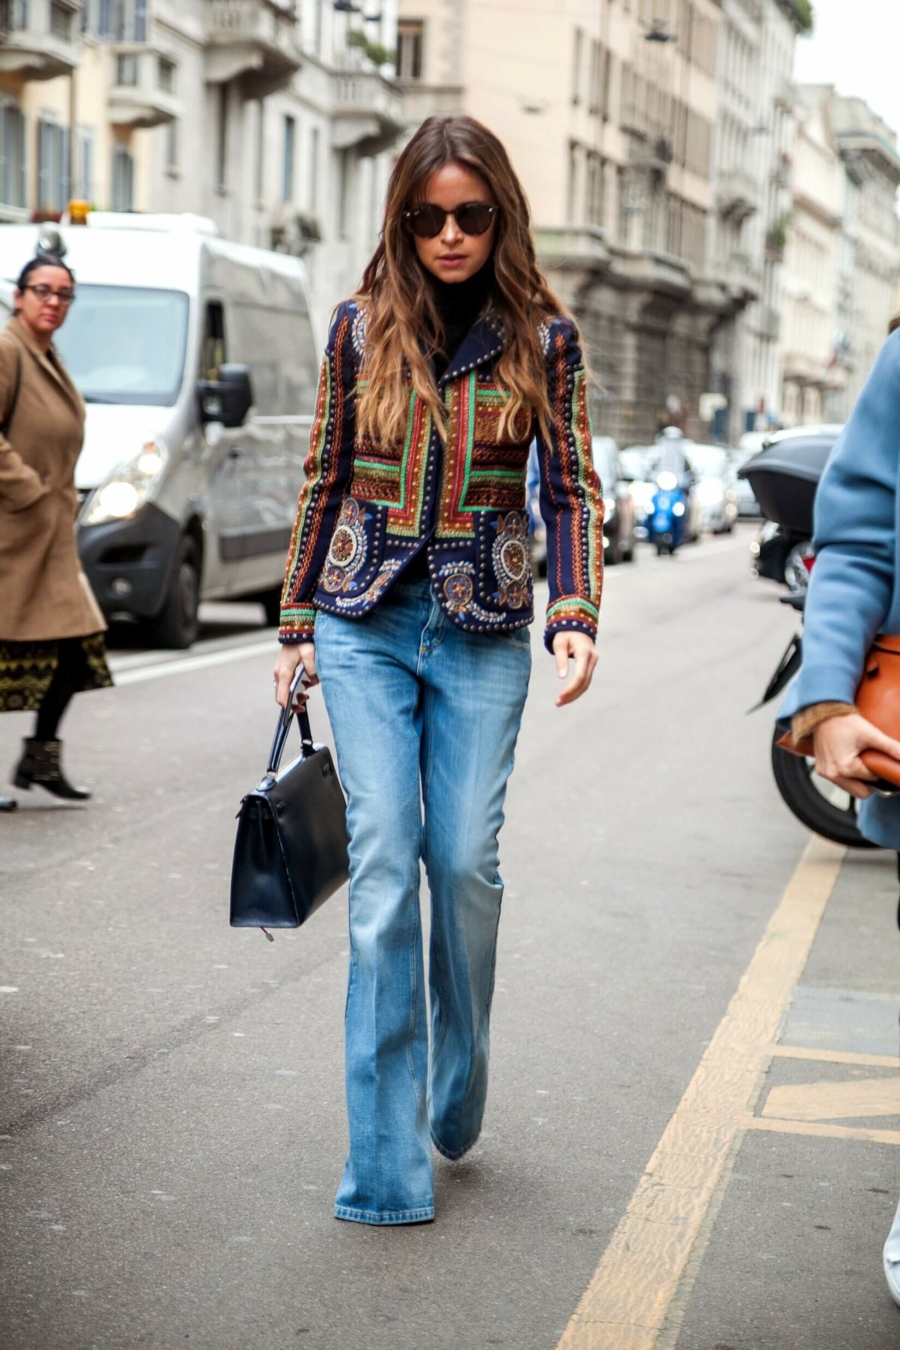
[
  {"x": 198, "y": 364},
  {"x": 716, "y": 487},
  {"x": 747, "y": 505},
  {"x": 635, "y": 463},
  {"x": 619, "y": 539}
]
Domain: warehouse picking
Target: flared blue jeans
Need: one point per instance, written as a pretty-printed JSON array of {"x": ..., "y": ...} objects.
[{"x": 425, "y": 718}]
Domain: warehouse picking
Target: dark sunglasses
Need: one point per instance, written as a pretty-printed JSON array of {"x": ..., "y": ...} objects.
[{"x": 473, "y": 218}]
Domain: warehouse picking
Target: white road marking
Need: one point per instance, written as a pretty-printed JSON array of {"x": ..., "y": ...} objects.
[{"x": 188, "y": 664}]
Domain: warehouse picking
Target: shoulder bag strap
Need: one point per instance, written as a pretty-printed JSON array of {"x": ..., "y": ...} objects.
[{"x": 11, "y": 410}]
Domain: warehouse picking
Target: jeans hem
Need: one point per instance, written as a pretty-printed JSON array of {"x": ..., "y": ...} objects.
[
  {"x": 425, "y": 1214},
  {"x": 446, "y": 1153}
]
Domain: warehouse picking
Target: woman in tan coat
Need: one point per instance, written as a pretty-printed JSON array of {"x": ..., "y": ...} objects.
[{"x": 51, "y": 628}]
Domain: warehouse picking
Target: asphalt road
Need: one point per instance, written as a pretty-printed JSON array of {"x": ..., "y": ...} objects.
[{"x": 172, "y": 1110}]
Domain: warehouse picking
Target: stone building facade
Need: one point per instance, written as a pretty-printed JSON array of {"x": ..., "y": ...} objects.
[
  {"x": 751, "y": 177},
  {"x": 274, "y": 119},
  {"x": 651, "y": 210},
  {"x": 841, "y": 263}
]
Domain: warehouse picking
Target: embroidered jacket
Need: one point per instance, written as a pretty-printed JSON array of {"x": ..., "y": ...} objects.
[{"x": 367, "y": 508}]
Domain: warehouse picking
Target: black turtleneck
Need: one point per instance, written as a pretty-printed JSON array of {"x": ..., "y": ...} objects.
[{"x": 459, "y": 304}]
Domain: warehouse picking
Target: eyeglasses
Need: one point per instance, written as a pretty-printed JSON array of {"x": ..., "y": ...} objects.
[
  {"x": 65, "y": 296},
  {"x": 473, "y": 218}
]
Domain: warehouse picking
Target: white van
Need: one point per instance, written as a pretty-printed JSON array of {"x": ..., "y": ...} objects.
[{"x": 198, "y": 363}]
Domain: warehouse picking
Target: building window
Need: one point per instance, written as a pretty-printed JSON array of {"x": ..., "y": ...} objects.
[
  {"x": 122, "y": 179},
  {"x": 13, "y": 15},
  {"x": 259, "y": 184},
  {"x": 61, "y": 22},
  {"x": 172, "y": 139},
  {"x": 344, "y": 193},
  {"x": 572, "y": 184},
  {"x": 314, "y": 140},
  {"x": 12, "y": 157},
  {"x": 289, "y": 154},
  {"x": 595, "y": 171},
  {"x": 84, "y": 183},
  {"x": 222, "y": 137},
  {"x": 106, "y": 20},
  {"x": 577, "y": 56},
  {"x": 127, "y": 71},
  {"x": 596, "y": 78},
  {"x": 166, "y": 75},
  {"x": 53, "y": 167},
  {"x": 410, "y": 40}
]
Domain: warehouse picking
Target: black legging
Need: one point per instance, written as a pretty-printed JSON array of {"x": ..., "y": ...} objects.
[{"x": 68, "y": 679}]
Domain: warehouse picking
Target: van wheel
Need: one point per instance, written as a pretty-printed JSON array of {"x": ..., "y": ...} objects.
[{"x": 176, "y": 625}]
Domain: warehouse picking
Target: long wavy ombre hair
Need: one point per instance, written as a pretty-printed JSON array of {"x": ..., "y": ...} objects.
[{"x": 400, "y": 309}]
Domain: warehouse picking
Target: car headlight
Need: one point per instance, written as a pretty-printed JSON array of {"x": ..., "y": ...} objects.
[
  {"x": 710, "y": 492},
  {"x": 128, "y": 487}
]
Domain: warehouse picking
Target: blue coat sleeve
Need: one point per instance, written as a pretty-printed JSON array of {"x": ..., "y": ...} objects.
[{"x": 852, "y": 584}]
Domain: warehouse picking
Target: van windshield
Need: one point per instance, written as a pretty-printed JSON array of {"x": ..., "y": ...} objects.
[{"x": 126, "y": 344}]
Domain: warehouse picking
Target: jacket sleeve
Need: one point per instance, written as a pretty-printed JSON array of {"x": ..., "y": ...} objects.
[
  {"x": 571, "y": 501},
  {"x": 20, "y": 485},
  {"x": 328, "y": 468},
  {"x": 853, "y": 579}
]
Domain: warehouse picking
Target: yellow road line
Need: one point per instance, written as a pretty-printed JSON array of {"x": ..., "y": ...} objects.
[
  {"x": 819, "y": 1131},
  {"x": 625, "y": 1304},
  {"x": 836, "y": 1056}
]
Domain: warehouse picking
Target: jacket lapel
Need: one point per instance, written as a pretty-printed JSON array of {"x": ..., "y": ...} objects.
[
  {"x": 49, "y": 365},
  {"x": 482, "y": 343}
]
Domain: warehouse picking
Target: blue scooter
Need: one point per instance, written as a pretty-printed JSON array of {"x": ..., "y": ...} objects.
[{"x": 667, "y": 516}]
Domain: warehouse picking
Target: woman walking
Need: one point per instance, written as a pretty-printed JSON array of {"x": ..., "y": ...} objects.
[
  {"x": 51, "y": 629},
  {"x": 408, "y": 592}
]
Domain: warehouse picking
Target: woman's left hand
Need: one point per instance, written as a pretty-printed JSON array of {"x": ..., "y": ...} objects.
[{"x": 577, "y": 647}]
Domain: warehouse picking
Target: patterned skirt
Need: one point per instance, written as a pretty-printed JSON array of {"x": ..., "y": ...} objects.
[{"x": 26, "y": 669}]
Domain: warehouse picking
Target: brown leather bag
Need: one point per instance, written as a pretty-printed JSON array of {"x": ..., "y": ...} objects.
[{"x": 878, "y": 701}]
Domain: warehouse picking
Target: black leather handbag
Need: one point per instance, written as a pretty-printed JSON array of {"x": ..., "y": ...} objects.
[{"x": 290, "y": 853}]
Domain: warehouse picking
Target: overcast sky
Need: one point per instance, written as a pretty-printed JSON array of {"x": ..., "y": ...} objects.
[{"x": 856, "y": 46}]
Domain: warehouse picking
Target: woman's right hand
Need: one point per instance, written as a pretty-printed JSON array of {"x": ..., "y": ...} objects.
[
  {"x": 839, "y": 742},
  {"x": 289, "y": 658}
]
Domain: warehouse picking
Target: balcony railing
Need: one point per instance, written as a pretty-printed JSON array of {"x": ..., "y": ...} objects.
[
  {"x": 255, "y": 41},
  {"x": 38, "y": 38},
  {"x": 367, "y": 111},
  {"x": 137, "y": 95},
  {"x": 737, "y": 192}
]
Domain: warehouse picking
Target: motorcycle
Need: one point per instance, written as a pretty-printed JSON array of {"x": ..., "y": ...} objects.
[{"x": 784, "y": 477}]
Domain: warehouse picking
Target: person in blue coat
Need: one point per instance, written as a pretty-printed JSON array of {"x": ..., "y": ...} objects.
[{"x": 854, "y": 595}]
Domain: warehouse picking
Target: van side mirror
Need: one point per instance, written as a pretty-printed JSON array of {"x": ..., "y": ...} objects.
[{"x": 229, "y": 398}]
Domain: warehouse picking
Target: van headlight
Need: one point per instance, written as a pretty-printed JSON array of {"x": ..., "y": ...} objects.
[{"x": 128, "y": 487}]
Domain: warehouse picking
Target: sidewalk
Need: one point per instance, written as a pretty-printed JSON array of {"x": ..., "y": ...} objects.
[{"x": 792, "y": 1258}]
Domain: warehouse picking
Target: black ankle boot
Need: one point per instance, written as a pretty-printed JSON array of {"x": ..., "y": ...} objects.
[
  {"x": 8, "y": 804},
  {"x": 40, "y": 763}
]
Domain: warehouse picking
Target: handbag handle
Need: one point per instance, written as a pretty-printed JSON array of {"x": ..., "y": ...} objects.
[{"x": 285, "y": 718}]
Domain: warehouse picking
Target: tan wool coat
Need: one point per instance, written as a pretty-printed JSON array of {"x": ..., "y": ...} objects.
[{"x": 43, "y": 592}]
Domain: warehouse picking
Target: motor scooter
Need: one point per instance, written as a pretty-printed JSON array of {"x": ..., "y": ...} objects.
[
  {"x": 819, "y": 804},
  {"x": 784, "y": 477},
  {"x": 666, "y": 518}
]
